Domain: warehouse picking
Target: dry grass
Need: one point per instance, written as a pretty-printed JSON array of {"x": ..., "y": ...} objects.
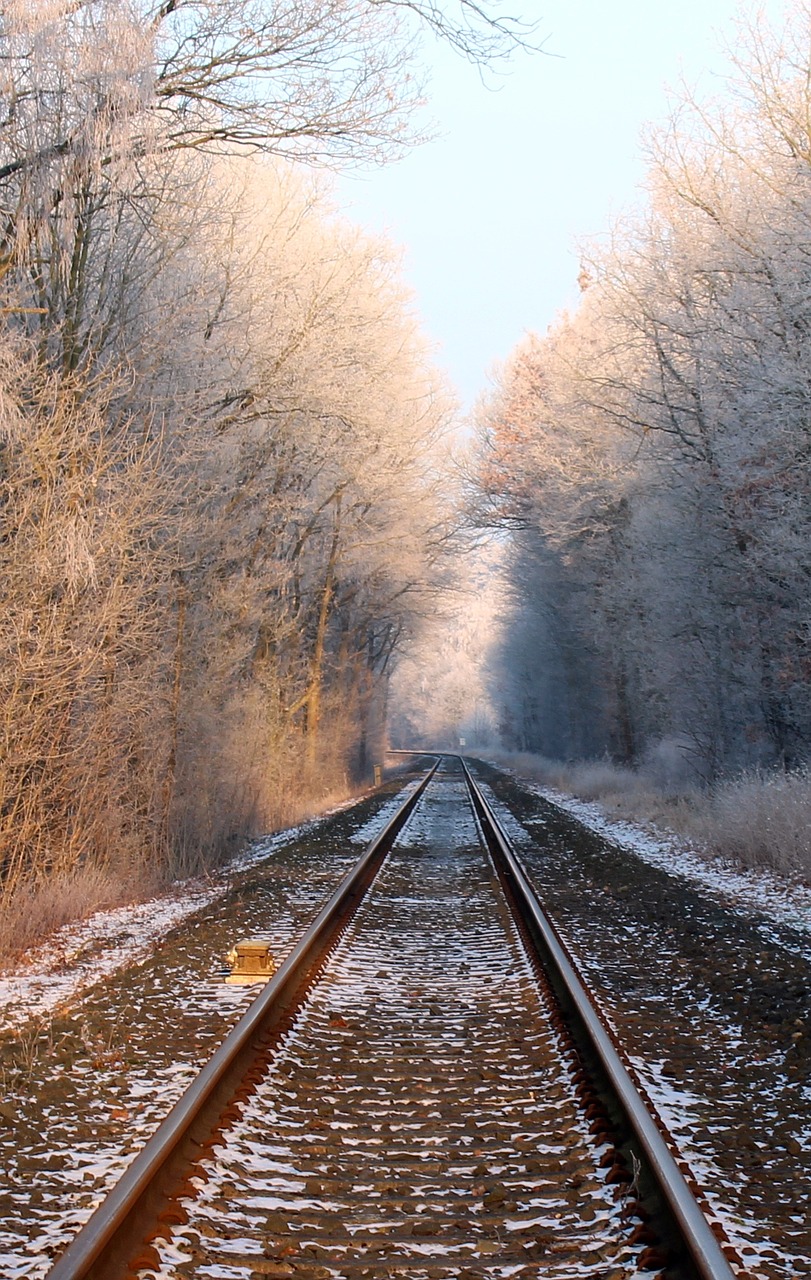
[
  {"x": 623, "y": 792},
  {"x": 759, "y": 820},
  {"x": 33, "y": 912}
]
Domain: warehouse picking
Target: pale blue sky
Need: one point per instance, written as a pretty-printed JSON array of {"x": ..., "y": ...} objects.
[{"x": 490, "y": 213}]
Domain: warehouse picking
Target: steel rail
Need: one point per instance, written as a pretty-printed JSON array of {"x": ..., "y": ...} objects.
[
  {"x": 704, "y": 1249},
  {"x": 98, "y": 1245}
]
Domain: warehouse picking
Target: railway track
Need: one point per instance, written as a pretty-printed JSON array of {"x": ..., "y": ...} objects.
[{"x": 422, "y": 1091}]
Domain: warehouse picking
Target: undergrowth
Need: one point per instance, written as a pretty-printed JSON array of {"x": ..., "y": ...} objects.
[
  {"x": 758, "y": 820},
  {"x": 35, "y": 910}
]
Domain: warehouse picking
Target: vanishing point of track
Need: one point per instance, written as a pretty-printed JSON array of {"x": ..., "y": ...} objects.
[{"x": 424, "y": 1090}]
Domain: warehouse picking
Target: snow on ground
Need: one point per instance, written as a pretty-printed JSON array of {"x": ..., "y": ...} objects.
[
  {"x": 778, "y": 899},
  {"x": 80, "y": 954},
  {"x": 368, "y": 830}
]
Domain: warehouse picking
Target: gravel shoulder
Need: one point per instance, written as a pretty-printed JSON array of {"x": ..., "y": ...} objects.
[
  {"x": 109, "y": 1024},
  {"x": 707, "y": 983}
]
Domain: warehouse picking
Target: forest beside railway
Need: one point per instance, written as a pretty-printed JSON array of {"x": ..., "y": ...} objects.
[
  {"x": 646, "y": 468},
  {"x": 228, "y": 508},
  {"x": 649, "y": 456},
  {"x": 222, "y": 501}
]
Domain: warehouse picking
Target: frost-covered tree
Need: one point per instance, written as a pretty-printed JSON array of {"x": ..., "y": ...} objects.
[
  {"x": 93, "y": 91},
  {"x": 326, "y": 514},
  {"x": 220, "y": 498},
  {"x": 658, "y": 446}
]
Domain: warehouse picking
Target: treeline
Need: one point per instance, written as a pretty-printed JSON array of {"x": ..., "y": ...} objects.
[
  {"x": 220, "y": 504},
  {"x": 650, "y": 457}
]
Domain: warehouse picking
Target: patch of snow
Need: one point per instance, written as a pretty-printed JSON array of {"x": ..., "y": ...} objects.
[
  {"x": 79, "y": 955},
  {"x": 368, "y": 830},
  {"x": 755, "y": 891}
]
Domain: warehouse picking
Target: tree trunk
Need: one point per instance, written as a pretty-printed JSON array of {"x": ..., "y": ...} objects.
[{"x": 317, "y": 663}]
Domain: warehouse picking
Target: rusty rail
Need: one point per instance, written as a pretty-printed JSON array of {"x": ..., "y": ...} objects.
[
  {"x": 101, "y": 1248},
  {"x": 113, "y": 1234},
  {"x": 694, "y": 1230}
]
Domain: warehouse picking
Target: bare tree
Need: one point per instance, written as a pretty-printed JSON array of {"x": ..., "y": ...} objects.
[
  {"x": 657, "y": 444},
  {"x": 220, "y": 485},
  {"x": 332, "y": 78}
]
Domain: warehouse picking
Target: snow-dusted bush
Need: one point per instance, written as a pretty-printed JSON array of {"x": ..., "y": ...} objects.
[
  {"x": 762, "y": 820},
  {"x": 624, "y": 792},
  {"x": 670, "y": 765},
  {"x": 599, "y": 779}
]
